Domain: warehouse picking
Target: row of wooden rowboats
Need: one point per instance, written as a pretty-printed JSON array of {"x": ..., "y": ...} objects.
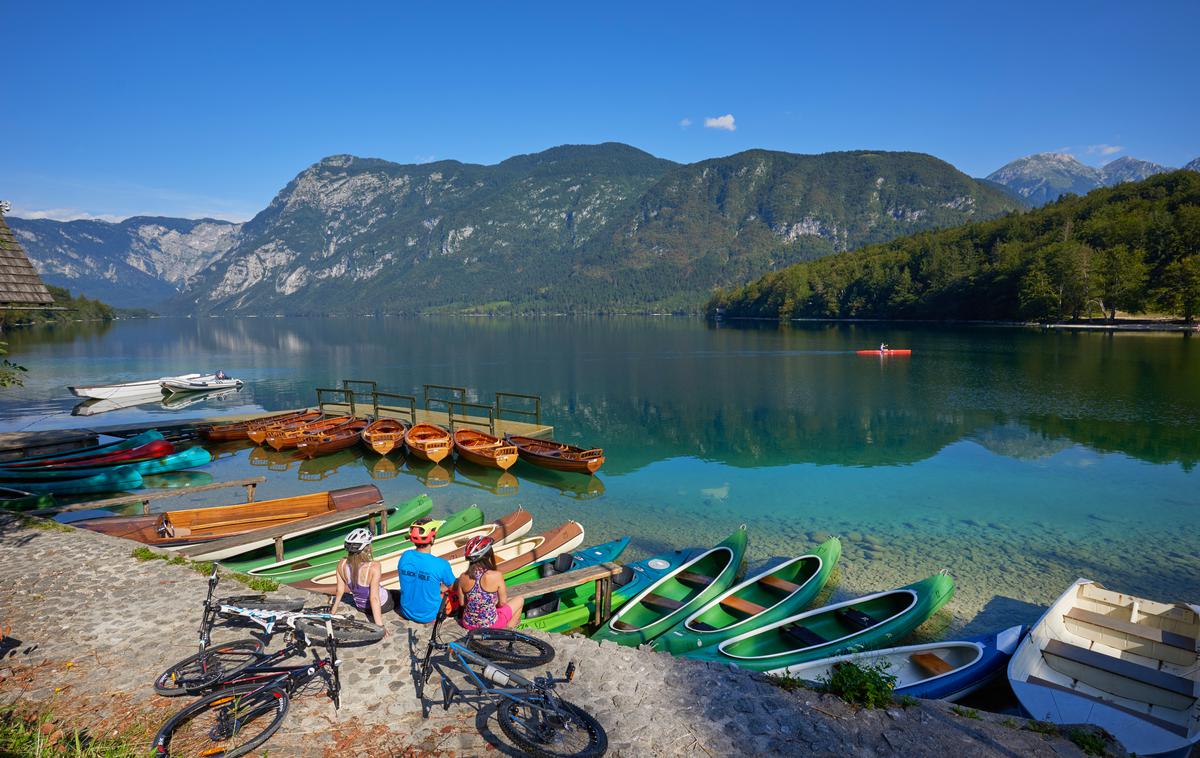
[{"x": 313, "y": 433}]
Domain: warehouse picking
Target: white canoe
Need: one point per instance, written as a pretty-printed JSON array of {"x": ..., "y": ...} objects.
[
  {"x": 133, "y": 389},
  {"x": 205, "y": 384},
  {"x": 1124, "y": 663}
]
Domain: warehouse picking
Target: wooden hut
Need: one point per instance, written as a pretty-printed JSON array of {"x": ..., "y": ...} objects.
[{"x": 20, "y": 285}]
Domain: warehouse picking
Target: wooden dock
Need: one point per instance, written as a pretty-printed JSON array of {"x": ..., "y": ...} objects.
[{"x": 15, "y": 445}]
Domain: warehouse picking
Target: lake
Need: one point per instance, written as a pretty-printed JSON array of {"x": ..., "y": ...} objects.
[{"x": 1015, "y": 459}]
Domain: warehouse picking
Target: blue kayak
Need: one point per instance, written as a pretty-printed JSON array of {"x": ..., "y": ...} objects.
[
  {"x": 588, "y": 556},
  {"x": 935, "y": 671}
]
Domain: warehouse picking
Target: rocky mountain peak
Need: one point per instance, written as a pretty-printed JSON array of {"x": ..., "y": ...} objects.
[{"x": 1129, "y": 169}]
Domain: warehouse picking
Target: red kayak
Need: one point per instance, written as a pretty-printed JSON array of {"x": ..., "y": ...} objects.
[
  {"x": 148, "y": 451},
  {"x": 889, "y": 351}
]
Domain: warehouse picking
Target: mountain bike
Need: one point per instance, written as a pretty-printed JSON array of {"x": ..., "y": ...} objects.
[
  {"x": 248, "y": 709},
  {"x": 216, "y": 664},
  {"x": 530, "y": 712}
]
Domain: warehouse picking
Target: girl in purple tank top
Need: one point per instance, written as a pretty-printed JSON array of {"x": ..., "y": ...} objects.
[{"x": 359, "y": 574}]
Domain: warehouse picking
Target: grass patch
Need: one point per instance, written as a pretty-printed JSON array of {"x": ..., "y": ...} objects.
[
  {"x": 41, "y": 737},
  {"x": 256, "y": 583},
  {"x": 868, "y": 685},
  {"x": 46, "y": 524},
  {"x": 1041, "y": 727},
  {"x": 907, "y": 701},
  {"x": 967, "y": 713},
  {"x": 1089, "y": 742},
  {"x": 787, "y": 683},
  {"x": 1011, "y": 723}
]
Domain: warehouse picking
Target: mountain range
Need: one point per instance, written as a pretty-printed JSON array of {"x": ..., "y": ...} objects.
[
  {"x": 600, "y": 228},
  {"x": 1043, "y": 177}
]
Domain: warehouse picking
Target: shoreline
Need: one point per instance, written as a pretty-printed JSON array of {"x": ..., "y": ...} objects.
[
  {"x": 1119, "y": 326},
  {"x": 131, "y": 619}
]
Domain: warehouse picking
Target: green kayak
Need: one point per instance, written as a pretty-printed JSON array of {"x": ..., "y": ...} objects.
[
  {"x": 305, "y": 545},
  {"x": 588, "y": 556},
  {"x": 867, "y": 622},
  {"x": 573, "y": 607},
  {"x": 20, "y": 500},
  {"x": 675, "y": 596},
  {"x": 770, "y": 595},
  {"x": 108, "y": 480},
  {"x": 324, "y": 561}
]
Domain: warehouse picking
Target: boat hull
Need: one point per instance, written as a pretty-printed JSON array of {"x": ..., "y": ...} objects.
[
  {"x": 674, "y": 597},
  {"x": 331, "y": 442},
  {"x": 484, "y": 449},
  {"x": 557, "y": 456},
  {"x": 240, "y": 430},
  {"x": 199, "y": 385},
  {"x": 384, "y": 436},
  {"x": 428, "y": 442},
  {"x": 117, "y": 479},
  {"x": 130, "y": 389},
  {"x": 777, "y": 592},
  {"x": 884, "y": 352},
  {"x": 575, "y": 560}
]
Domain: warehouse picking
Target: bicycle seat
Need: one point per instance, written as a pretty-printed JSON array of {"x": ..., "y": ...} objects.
[{"x": 165, "y": 528}]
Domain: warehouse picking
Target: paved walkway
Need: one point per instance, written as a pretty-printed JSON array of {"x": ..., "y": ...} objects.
[{"x": 90, "y": 627}]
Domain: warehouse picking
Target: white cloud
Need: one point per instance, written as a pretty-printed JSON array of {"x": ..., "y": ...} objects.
[
  {"x": 685, "y": 122},
  {"x": 425, "y": 158},
  {"x": 64, "y": 214},
  {"x": 721, "y": 122},
  {"x": 1105, "y": 149}
]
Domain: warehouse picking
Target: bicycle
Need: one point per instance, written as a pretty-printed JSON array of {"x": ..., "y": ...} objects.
[
  {"x": 226, "y": 722},
  {"x": 530, "y": 712},
  {"x": 214, "y": 665}
]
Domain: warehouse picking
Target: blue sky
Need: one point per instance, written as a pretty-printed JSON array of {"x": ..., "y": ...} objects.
[{"x": 210, "y": 108}]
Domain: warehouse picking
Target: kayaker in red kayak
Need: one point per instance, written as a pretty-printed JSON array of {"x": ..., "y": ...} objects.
[{"x": 883, "y": 347}]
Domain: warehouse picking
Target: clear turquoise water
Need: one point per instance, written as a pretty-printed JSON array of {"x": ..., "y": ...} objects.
[{"x": 1015, "y": 459}]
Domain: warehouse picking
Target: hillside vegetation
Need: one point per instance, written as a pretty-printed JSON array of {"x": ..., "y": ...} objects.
[{"x": 1131, "y": 248}]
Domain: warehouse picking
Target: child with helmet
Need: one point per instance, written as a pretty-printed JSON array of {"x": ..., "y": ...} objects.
[
  {"x": 423, "y": 575},
  {"x": 482, "y": 594},
  {"x": 359, "y": 573}
]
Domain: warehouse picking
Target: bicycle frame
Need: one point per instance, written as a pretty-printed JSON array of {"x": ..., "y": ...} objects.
[{"x": 268, "y": 620}]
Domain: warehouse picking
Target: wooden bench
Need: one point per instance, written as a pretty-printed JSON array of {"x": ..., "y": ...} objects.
[
  {"x": 1156, "y": 687},
  {"x": 661, "y": 601},
  {"x": 1146, "y": 632},
  {"x": 855, "y": 618},
  {"x": 695, "y": 580},
  {"x": 775, "y": 583},
  {"x": 931, "y": 662},
  {"x": 739, "y": 605}
]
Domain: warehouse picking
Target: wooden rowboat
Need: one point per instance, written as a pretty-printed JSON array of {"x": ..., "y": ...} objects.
[
  {"x": 484, "y": 449},
  {"x": 428, "y": 442},
  {"x": 347, "y": 435},
  {"x": 258, "y": 433},
  {"x": 383, "y": 435},
  {"x": 557, "y": 455},
  {"x": 240, "y": 430},
  {"x": 450, "y": 547},
  {"x": 1124, "y": 663},
  {"x": 189, "y": 526},
  {"x": 290, "y": 436}
]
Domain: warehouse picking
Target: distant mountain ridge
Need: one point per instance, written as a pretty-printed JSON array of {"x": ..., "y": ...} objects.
[
  {"x": 1041, "y": 178},
  {"x": 140, "y": 261},
  {"x": 598, "y": 228}
]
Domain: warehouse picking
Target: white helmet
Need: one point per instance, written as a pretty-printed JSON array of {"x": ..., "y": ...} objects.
[{"x": 358, "y": 540}]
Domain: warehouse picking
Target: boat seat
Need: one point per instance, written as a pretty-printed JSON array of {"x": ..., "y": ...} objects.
[
  {"x": 621, "y": 626},
  {"x": 1169, "y": 726},
  {"x": 855, "y": 618},
  {"x": 661, "y": 601},
  {"x": 205, "y": 526},
  {"x": 745, "y": 607},
  {"x": 805, "y": 636},
  {"x": 352, "y": 497},
  {"x": 931, "y": 662},
  {"x": 1176, "y": 691},
  {"x": 783, "y": 585},
  {"x": 696, "y": 580},
  {"x": 623, "y": 578},
  {"x": 1144, "y": 631}
]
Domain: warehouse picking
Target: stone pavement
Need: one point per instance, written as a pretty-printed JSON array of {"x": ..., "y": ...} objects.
[{"x": 90, "y": 627}]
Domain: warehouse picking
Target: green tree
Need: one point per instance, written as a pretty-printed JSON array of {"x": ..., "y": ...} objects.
[
  {"x": 1038, "y": 298},
  {"x": 1120, "y": 279},
  {"x": 10, "y": 373},
  {"x": 1070, "y": 271},
  {"x": 1182, "y": 293}
]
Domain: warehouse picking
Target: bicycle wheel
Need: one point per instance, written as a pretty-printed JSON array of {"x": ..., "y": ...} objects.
[
  {"x": 263, "y": 603},
  {"x": 518, "y": 650},
  {"x": 344, "y": 630},
  {"x": 218, "y": 663},
  {"x": 552, "y": 729},
  {"x": 225, "y": 723}
]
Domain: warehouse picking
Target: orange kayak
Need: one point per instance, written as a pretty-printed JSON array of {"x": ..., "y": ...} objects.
[{"x": 884, "y": 352}]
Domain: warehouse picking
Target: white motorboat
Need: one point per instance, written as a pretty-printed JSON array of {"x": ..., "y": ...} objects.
[
  {"x": 133, "y": 389},
  {"x": 1120, "y": 662},
  {"x": 206, "y": 384}
]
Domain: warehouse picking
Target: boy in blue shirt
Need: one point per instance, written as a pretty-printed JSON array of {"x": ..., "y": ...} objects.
[{"x": 423, "y": 575}]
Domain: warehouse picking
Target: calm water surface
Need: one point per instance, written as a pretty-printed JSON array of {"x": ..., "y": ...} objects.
[{"x": 1017, "y": 460}]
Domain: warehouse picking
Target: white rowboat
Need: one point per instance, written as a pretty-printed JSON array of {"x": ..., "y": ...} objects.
[
  {"x": 205, "y": 384},
  {"x": 1120, "y": 662},
  {"x": 133, "y": 389}
]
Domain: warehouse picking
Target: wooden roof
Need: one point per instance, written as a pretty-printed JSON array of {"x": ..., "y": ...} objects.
[{"x": 19, "y": 281}]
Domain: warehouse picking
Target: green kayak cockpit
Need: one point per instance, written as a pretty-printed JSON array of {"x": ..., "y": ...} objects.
[
  {"x": 757, "y": 595},
  {"x": 822, "y": 626},
  {"x": 673, "y": 593}
]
